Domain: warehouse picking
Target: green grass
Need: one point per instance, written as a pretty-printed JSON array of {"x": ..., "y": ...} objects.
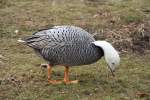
[{"x": 21, "y": 78}]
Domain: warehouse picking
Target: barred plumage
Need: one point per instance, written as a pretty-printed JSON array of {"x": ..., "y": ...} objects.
[{"x": 65, "y": 45}]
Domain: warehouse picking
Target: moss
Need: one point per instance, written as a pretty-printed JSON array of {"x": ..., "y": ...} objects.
[{"x": 132, "y": 18}]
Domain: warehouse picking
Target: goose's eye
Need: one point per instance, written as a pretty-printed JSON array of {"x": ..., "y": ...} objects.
[{"x": 113, "y": 63}]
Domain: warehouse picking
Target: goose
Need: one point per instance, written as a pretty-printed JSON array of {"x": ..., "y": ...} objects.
[{"x": 70, "y": 46}]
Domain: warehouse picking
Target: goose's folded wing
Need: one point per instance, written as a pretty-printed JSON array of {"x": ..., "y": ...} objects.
[
  {"x": 42, "y": 41},
  {"x": 58, "y": 36}
]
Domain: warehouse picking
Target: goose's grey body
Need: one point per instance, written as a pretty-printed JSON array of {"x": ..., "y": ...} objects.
[{"x": 65, "y": 45}]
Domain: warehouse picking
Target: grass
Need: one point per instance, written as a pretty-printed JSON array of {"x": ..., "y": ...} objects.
[{"x": 21, "y": 78}]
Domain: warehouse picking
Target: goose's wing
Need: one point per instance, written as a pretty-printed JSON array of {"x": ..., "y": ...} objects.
[
  {"x": 57, "y": 36},
  {"x": 41, "y": 41}
]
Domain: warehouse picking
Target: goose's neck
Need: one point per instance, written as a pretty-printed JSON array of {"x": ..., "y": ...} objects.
[{"x": 110, "y": 53}]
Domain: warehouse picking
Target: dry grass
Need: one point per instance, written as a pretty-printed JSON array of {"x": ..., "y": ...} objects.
[{"x": 21, "y": 78}]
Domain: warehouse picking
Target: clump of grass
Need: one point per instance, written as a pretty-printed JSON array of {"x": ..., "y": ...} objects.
[{"x": 4, "y": 3}]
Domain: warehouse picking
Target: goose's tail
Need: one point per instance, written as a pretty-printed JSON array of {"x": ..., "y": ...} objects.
[
  {"x": 34, "y": 41},
  {"x": 21, "y": 41}
]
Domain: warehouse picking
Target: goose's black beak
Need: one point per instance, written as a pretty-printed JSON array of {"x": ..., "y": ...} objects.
[{"x": 112, "y": 72}]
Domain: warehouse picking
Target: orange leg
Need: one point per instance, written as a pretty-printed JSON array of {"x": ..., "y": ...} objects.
[
  {"x": 49, "y": 70},
  {"x": 66, "y": 76}
]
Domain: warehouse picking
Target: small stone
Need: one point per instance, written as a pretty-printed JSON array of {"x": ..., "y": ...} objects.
[
  {"x": 16, "y": 31},
  {"x": 2, "y": 57}
]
